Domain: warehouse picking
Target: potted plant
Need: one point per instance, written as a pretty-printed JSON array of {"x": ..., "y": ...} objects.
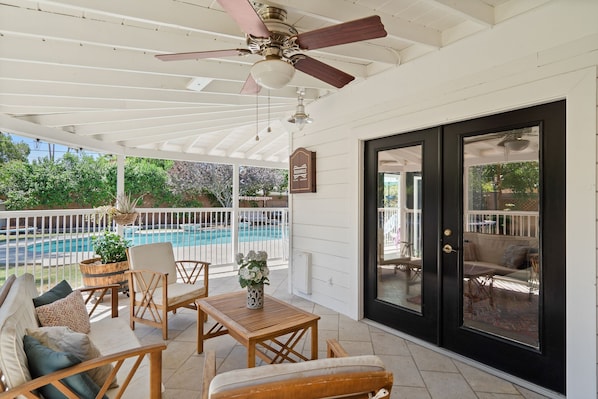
[
  {"x": 110, "y": 265},
  {"x": 123, "y": 211},
  {"x": 253, "y": 274}
]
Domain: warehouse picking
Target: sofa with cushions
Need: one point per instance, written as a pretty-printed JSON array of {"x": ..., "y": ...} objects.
[
  {"x": 51, "y": 345},
  {"x": 507, "y": 256}
]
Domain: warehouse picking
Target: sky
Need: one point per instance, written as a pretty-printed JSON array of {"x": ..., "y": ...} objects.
[{"x": 41, "y": 149}]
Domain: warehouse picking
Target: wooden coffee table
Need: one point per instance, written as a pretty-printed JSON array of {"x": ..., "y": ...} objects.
[{"x": 270, "y": 333}]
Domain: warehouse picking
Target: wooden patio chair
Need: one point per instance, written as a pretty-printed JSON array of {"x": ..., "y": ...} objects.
[
  {"x": 338, "y": 376},
  {"x": 159, "y": 284}
]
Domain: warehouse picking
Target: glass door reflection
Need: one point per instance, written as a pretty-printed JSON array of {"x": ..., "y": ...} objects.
[
  {"x": 501, "y": 266},
  {"x": 399, "y": 249}
]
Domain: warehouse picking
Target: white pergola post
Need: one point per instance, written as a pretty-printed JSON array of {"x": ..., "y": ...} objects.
[
  {"x": 234, "y": 223},
  {"x": 120, "y": 183}
]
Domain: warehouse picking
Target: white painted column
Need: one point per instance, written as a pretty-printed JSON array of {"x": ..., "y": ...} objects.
[{"x": 234, "y": 223}]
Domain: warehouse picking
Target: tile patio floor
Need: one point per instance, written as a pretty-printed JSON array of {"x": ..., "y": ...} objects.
[{"x": 419, "y": 372}]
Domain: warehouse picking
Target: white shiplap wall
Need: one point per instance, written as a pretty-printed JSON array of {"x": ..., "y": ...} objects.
[{"x": 548, "y": 54}]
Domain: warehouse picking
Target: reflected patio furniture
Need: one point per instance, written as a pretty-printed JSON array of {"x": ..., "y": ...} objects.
[
  {"x": 534, "y": 274},
  {"x": 159, "y": 284},
  {"x": 405, "y": 262},
  {"x": 480, "y": 284}
]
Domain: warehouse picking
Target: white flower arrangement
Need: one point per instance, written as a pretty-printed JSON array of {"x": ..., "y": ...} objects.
[{"x": 253, "y": 268}]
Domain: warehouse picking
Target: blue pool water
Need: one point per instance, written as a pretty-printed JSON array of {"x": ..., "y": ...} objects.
[{"x": 178, "y": 238}]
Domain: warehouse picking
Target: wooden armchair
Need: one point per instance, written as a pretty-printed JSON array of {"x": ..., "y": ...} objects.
[
  {"x": 338, "y": 376},
  {"x": 154, "y": 285}
]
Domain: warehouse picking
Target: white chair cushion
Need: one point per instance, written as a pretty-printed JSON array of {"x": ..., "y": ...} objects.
[
  {"x": 16, "y": 315},
  {"x": 280, "y": 372},
  {"x": 177, "y": 293},
  {"x": 157, "y": 257}
]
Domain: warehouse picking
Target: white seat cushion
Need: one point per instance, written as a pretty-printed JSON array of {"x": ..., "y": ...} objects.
[
  {"x": 280, "y": 372},
  {"x": 177, "y": 293}
]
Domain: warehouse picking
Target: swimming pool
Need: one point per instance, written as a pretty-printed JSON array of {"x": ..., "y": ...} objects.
[{"x": 179, "y": 238}]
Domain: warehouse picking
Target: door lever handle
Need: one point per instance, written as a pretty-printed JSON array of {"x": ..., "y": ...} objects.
[{"x": 447, "y": 249}]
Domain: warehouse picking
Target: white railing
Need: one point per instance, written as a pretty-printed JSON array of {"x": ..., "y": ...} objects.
[
  {"x": 50, "y": 244},
  {"x": 515, "y": 223},
  {"x": 511, "y": 223},
  {"x": 390, "y": 222}
]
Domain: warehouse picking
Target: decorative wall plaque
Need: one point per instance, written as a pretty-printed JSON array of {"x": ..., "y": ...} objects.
[{"x": 302, "y": 171}]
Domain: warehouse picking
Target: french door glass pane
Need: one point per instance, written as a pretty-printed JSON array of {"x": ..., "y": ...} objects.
[
  {"x": 399, "y": 249},
  {"x": 501, "y": 259}
]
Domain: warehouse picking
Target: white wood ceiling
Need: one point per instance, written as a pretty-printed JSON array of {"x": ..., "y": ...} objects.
[{"x": 83, "y": 72}]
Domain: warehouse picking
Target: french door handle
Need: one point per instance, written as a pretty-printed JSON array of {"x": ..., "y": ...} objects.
[{"x": 448, "y": 248}]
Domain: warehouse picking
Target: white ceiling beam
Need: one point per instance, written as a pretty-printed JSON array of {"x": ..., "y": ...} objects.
[
  {"x": 475, "y": 10},
  {"x": 171, "y": 122},
  {"x": 32, "y": 130},
  {"x": 47, "y": 25},
  {"x": 88, "y": 56},
  {"x": 166, "y": 133},
  {"x": 396, "y": 27},
  {"x": 82, "y": 118},
  {"x": 176, "y": 14},
  {"x": 69, "y": 103},
  {"x": 51, "y": 26},
  {"x": 51, "y": 89}
]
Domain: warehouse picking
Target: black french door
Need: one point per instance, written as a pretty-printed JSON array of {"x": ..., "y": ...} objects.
[{"x": 464, "y": 239}]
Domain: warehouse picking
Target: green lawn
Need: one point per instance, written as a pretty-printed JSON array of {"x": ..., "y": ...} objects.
[{"x": 46, "y": 277}]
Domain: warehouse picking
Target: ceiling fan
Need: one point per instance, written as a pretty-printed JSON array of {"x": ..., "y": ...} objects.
[
  {"x": 511, "y": 140},
  {"x": 282, "y": 46}
]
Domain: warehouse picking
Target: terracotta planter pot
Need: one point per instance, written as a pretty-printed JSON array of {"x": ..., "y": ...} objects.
[{"x": 95, "y": 273}]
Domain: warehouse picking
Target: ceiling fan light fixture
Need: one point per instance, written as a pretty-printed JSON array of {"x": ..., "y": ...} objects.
[
  {"x": 516, "y": 145},
  {"x": 300, "y": 118},
  {"x": 272, "y": 73}
]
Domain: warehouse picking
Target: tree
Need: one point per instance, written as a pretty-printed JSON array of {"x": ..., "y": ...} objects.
[
  {"x": 520, "y": 178},
  {"x": 143, "y": 177},
  {"x": 216, "y": 180},
  {"x": 213, "y": 179},
  {"x": 10, "y": 151},
  {"x": 253, "y": 180}
]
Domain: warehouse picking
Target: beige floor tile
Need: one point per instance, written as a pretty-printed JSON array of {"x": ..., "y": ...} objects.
[
  {"x": 487, "y": 395},
  {"x": 429, "y": 360},
  {"x": 409, "y": 393},
  {"x": 357, "y": 348},
  {"x": 175, "y": 354},
  {"x": 484, "y": 382},
  {"x": 351, "y": 330},
  {"x": 404, "y": 371},
  {"x": 418, "y": 372},
  {"x": 188, "y": 375},
  {"x": 386, "y": 344},
  {"x": 447, "y": 385}
]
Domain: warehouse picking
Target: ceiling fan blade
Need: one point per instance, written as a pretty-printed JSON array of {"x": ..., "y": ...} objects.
[
  {"x": 250, "y": 86},
  {"x": 195, "y": 55},
  {"x": 347, "y": 32},
  {"x": 324, "y": 72},
  {"x": 246, "y": 17}
]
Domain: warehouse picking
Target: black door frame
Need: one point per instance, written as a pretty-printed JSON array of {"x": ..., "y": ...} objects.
[
  {"x": 424, "y": 325},
  {"x": 549, "y": 360},
  {"x": 440, "y": 320}
]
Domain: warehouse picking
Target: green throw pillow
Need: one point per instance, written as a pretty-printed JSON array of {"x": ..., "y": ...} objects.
[
  {"x": 59, "y": 291},
  {"x": 43, "y": 360}
]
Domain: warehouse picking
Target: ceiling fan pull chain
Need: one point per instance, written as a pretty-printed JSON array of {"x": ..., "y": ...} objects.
[
  {"x": 269, "y": 128},
  {"x": 257, "y": 132}
]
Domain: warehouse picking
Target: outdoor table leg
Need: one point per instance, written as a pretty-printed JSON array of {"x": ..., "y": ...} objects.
[
  {"x": 251, "y": 354},
  {"x": 314, "y": 341},
  {"x": 200, "y": 332}
]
